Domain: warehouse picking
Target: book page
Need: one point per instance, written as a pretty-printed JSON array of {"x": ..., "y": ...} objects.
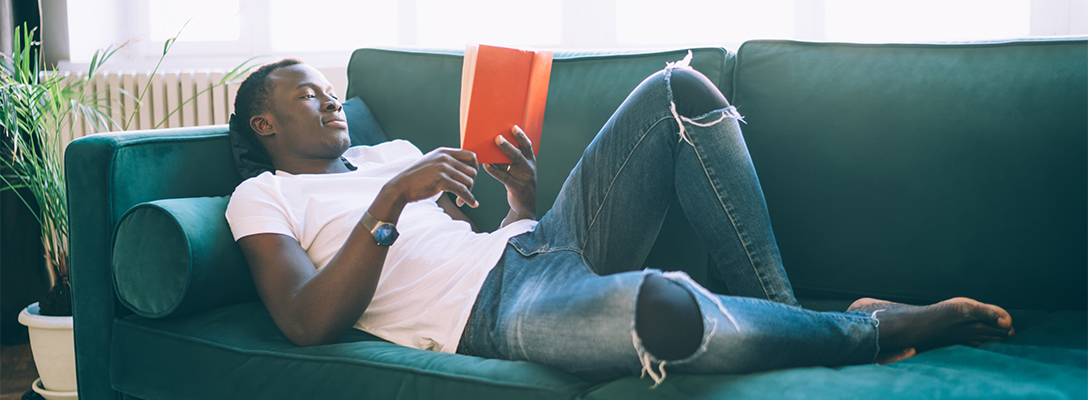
[{"x": 467, "y": 72}]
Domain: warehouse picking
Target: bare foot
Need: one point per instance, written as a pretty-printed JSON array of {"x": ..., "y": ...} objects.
[{"x": 905, "y": 328}]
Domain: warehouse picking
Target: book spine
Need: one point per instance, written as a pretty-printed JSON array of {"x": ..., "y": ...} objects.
[{"x": 537, "y": 98}]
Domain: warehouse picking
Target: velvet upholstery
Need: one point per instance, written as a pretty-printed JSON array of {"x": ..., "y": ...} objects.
[
  {"x": 177, "y": 256},
  {"x": 857, "y": 188},
  {"x": 966, "y": 178}
]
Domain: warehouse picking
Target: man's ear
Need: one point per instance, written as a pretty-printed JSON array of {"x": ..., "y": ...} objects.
[{"x": 262, "y": 124}]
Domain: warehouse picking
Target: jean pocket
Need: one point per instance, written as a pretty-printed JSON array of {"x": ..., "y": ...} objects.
[{"x": 528, "y": 244}]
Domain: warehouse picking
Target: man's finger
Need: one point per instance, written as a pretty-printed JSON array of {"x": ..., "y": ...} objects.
[
  {"x": 508, "y": 148},
  {"x": 464, "y": 156},
  {"x": 524, "y": 144},
  {"x": 464, "y": 195},
  {"x": 500, "y": 174},
  {"x": 459, "y": 177},
  {"x": 464, "y": 168}
]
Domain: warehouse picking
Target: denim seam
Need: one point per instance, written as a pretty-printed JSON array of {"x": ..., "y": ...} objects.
[
  {"x": 727, "y": 112},
  {"x": 608, "y": 192},
  {"x": 717, "y": 191},
  {"x": 729, "y": 213},
  {"x": 585, "y": 261}
]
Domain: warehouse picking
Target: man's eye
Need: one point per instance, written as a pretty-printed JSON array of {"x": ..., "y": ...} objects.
[{"x": 307, "y": 96}]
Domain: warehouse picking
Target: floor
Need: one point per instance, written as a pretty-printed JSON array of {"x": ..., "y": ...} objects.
[{"x": 17, "y": 371}]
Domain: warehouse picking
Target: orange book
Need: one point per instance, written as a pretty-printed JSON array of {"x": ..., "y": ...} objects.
[{"x": 500, "y": 88}]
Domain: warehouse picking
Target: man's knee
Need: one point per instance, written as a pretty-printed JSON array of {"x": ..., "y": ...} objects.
[
  {"x": 694, "y": 94},
  {"x": 668, "y": 319}
]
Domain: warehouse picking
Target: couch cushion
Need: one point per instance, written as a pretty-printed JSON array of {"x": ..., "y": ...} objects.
[
  {"x": 1046, "y": 359},
  {"x": 924, "y": 171},
  {"x": 236, "y": 352},
  {"x": 177, "y": 256}
]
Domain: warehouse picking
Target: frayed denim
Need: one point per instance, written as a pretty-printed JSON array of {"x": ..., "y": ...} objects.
[{"x": 565, "y": 294}]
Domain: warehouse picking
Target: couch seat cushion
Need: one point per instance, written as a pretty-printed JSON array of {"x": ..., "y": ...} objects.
[{"x": 236, "y": 352}]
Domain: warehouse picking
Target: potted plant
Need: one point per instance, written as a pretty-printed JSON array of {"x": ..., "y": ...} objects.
[{"x": 34, "y": 106}]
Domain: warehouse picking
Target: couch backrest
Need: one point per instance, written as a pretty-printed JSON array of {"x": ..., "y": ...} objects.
[{"x": 921, "y": 172}]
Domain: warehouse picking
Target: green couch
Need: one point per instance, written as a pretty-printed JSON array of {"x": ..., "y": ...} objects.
[{"x": 908, "y": 172}]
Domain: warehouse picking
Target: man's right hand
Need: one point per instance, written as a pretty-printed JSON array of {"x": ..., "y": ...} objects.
[{"x": 442, "y": 170}]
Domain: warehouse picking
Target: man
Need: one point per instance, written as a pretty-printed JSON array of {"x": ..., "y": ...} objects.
[{"x": 339, "y": 237}]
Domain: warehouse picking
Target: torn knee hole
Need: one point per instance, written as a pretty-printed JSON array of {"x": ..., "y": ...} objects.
[{"x": 668, "y": 319}]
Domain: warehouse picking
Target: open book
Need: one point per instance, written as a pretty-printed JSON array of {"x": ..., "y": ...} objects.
[{"x": 500, "y": 88}]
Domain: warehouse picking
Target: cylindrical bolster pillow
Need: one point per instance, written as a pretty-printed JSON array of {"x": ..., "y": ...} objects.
[{"x": 178, "y": 256}]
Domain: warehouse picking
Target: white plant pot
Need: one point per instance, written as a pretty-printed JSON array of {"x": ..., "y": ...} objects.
[
  {"x": 51, "y": 395},
  {"x": 54, "y": 349}
]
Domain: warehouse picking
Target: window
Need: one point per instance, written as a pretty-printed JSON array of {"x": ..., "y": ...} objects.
[
  {"x": 453, "y": 24},
  {"x": 232, "y": 30},
  {"x": 642, "y": 23},
  {"x": 301, "y": 26},
  {"x": 216, "y": 20},
  {"x": 926, "y": 20}
]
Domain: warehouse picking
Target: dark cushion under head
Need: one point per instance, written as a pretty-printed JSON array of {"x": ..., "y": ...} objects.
[{"x": 251, "y": 159}]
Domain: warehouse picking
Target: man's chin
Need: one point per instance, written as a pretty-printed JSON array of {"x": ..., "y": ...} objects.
[{"x": 339, "y": 146}]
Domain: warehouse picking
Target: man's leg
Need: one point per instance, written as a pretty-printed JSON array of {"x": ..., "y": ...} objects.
[
  {"x": 720, "y": 192},
  {"x": 605, "y": 220},
  {"x": 612, "y": 205},
  {"x": 675, "y": 133}
]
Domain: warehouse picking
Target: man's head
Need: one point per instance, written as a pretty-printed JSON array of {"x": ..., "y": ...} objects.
[{"x": 293, "y": 112}]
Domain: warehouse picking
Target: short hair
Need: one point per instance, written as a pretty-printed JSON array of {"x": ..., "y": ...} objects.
[{"x": 253, "y": 94}]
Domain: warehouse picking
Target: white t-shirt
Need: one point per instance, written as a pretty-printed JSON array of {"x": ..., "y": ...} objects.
[{"x": 432, "y": 273}]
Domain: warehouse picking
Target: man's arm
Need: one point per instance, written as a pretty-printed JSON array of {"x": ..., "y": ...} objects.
[{"x": 313, "y": 307}]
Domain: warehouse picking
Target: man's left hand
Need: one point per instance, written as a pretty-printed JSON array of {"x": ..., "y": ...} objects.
[{"x": 519, "y": 176}]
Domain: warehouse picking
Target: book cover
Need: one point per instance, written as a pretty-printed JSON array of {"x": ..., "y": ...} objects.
[{"x": 502, "y": 87}]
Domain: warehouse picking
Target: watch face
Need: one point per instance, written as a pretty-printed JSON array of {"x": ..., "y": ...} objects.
[{"x": 386, "y": 234}]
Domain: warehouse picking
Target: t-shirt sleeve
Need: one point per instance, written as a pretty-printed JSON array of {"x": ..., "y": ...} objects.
[{"x": 255, "y": 207}]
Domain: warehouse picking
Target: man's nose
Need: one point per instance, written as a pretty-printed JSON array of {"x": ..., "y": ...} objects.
[{"x": 333, "y": 105}]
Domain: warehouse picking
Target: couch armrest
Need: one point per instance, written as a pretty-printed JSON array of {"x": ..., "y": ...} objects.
[{"x": 107, "y": 174}]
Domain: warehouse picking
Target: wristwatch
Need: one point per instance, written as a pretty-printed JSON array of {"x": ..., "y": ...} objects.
[{"x": 384, "y": 233}]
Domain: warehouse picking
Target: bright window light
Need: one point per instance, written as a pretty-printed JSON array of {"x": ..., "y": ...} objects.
[
  {"x": 700, "y": 22},
  {"x": 208, "y": 20},
  {"x": 298, "y": 26},
  {"x": 926, "y": 20},
  {"x": 453, "y": 24}
]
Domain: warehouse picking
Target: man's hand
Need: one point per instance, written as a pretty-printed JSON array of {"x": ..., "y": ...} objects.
[
  {"x": 519, "y": 176},
  {"x": 442, "y": 170}
]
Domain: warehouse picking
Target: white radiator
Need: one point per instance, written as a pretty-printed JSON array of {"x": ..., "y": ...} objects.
[{"x": 166, "y": 91}]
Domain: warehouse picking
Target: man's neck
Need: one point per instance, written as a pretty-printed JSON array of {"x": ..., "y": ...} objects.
[{"x": 313, "y": 166}]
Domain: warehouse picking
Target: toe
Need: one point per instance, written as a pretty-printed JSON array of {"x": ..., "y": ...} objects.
[
  {"x": 997, "y": 315},
  {"x": 989, "y": 330}
]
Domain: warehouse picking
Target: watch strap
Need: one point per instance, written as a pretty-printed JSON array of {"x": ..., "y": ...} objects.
[{"x": 370, "y": 223}]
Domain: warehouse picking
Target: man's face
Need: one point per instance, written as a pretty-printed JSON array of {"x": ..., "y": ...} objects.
[{"x": 309, "y": 120}]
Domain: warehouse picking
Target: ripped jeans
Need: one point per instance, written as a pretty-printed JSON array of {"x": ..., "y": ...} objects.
[{"x": 564, "y": 295}]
